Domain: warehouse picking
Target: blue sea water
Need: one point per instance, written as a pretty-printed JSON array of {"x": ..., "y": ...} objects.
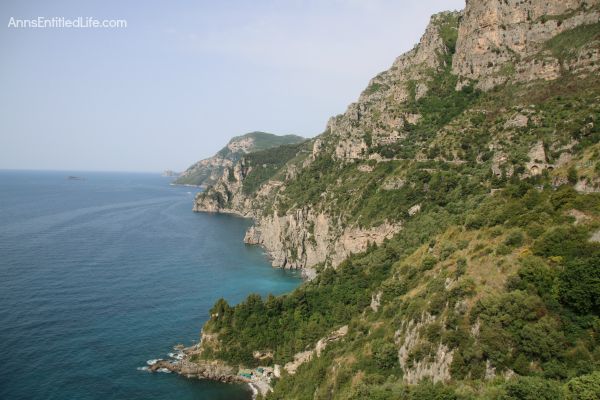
[{"x": 99, "y": 275}]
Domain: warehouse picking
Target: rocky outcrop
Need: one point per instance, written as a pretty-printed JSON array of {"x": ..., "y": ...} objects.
[
  {"x": 376, "y": 301},
  {"x": 208, "y": 171},
  {"x": 332, "y": 337},
  {"x": 435, "y": 366},
  {"x": 214, "y": 370},
  {"x": 375, "y": 118},
  {"x": 204, "y": 172},
  {"x": 496, "y": 37},
  {"x": 299, "y": 359},
  {"x": 188, "y": 362},
  {"x": 306, "y": 356},
  {"x": 303, "y": 238},
  {"x": 226, "y": 195},
  {"x": 588, "y": 185}
]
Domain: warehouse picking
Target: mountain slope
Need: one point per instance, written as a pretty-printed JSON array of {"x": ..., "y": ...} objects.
[
  {"x": 451, "y": 217},
  {"x": 206, "y": 172}
]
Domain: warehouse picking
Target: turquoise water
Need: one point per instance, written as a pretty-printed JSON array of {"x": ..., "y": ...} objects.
[{"x": 99, "y": 275}]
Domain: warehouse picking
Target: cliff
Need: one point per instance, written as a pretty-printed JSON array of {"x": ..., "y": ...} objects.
[
  {"x": 449, "y": 221},
  {"x": 206, "y": 172},
  {"x": 502, "y": 40},
  {"x": 479, "y": 48},
  {"x": 302, "y": 237}
]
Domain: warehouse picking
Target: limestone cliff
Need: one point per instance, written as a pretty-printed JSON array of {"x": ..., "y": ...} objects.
[
  {"x": 403, "y": 118},
  {"x": 497, "y": 38},
  {"x": 302, "y": 237},
  {"x": 380, "y": 117}
]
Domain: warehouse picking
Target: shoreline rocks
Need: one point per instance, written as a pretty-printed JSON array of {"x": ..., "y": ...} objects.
[
  {"x": 213, "y": 370},
  {"x": 180, "y": 363}
]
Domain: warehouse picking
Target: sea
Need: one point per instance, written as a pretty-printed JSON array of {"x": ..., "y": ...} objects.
[{"x": 100, "y": 274}]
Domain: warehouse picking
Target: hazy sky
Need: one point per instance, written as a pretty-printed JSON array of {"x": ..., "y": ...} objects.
[{"x": 185, "y": 76}]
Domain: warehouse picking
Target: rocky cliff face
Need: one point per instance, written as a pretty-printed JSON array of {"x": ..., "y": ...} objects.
[
  {"x": 302, "y": 237},
  {"x": 378, "y": 116},
  {"x": 498, "y": 37},
  {"x": 487, "y": 44},
  {"x": 299, "y": 239},
  {"x": 205, "y": 172}
]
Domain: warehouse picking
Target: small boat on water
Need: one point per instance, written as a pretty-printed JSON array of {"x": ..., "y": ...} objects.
[{"x": 75, "y": 178}]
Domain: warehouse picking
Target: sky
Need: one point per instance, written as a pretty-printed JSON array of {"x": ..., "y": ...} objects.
[{"x": 185, "y": 76}]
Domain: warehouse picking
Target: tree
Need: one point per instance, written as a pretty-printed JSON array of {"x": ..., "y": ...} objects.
[
  {"x": 428, "y": 391},
  {"x": 586, "y": 387},
  {"x": 532, "y": 388},
  {"x": 385, "y": 355},
  {"x": 580, "y": 285}
]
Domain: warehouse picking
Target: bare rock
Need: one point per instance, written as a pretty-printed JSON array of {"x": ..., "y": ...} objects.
[
  {"x": 414, "y": 210},
  {"x": 517, "y": 121},
  {"x": 494, "y": 34},
  {"x": 252, "y": 236},
  {"x": 376, "y": 301}
]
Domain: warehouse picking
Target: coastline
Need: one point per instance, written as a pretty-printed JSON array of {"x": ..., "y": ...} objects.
[
  {"x": 180, "y": 362},
  {"x": 306, "y": 273},
  {"x": 185, "y": 361}
]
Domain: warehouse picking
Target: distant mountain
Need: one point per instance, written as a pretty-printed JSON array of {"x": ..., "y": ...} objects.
[
  {"x": 208, "y": 171},
  {"x": 169, "y": 173}
]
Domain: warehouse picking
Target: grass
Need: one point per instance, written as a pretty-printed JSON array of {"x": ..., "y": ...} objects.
[{"x": 567, "y": 44}]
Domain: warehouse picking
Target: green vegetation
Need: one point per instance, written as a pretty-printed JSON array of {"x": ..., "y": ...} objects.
[
  {"x": 264, "y": 141},
  {"x": 439, "y": 106},
  {"x": 494, "y": 284},
  {"x": 546, "y": 313},
  {"x": 204, "y": 174},
  {"x": 569, "y": 43},
  {"x": 374, "y": 88},
  {"x": 265, "y": 164}
]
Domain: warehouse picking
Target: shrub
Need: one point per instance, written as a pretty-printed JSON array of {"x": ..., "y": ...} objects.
[
  {"x": 572, "y": 175},
  {"x": 461, "y": 266},
  {"x": 447, "y": 251},
  {"x": 463, "y": 244},
  {"x": 542, "y": 340},
  {"x": 502, "y": 250},
  {"x": 385, "y": 355},
  {"x": 580, "y": 285},
  {"x": 429, "y": 391},
  {"x": 532, "y": 388},
  {"x": 566, "y": 241},
  {"x": 514, "y": 239},
  {"x": 586, "y": 387},
  {"x": 536, "y": 277},
  {"x": 428, "y": 263}
]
